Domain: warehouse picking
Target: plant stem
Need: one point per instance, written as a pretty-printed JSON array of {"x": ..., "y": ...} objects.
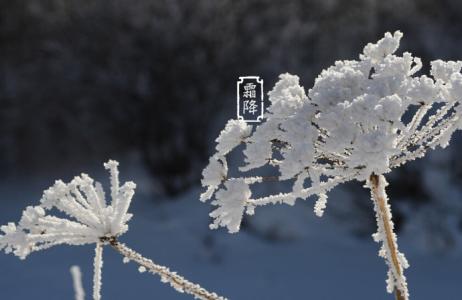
[
  {"x": 77, "y": 283},
  {"x": 377, "y": 184},
  {"x": 176, "y": 281},
  {"x": 97, "y": 265}
]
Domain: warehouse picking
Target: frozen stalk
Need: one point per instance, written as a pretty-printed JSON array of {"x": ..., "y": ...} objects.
[
  {"x": 97, "y": 271},
  {"x": 361, "y": 117},
  {"x": 87, "y": 219},
  {"x": 77, "y": 283},
  {"x": 385, "y": 235},
  {"x": 178, "y": 282}
]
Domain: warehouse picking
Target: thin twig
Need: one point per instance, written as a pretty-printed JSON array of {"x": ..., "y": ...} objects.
[
  {"x": 304, "y": 193},
  {"x": 77, "y": 283},
  {"x": 176, "y": 281},
  {"x": 412, "y": 127}
]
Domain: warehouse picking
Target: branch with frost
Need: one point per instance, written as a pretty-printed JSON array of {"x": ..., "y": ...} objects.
[
  {"x": 97, "y": 271},
  {"x": 360, "y": 119},
  {"x": 396, "y": 261},
  {"x": 178, "y": 282},
  {"x": 88, "y": 219},
  {"x": 77, "y": 283}
]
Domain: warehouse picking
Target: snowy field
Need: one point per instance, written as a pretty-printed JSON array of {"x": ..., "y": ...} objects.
[{"x": 322, "y": 261}]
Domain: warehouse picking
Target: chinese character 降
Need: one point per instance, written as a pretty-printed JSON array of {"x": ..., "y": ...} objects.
[{"x": 250, "y": 106}]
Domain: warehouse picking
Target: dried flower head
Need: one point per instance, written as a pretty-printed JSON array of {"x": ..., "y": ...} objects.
[
  {"x": 89, "y": 217},
  {"x": 90, "y": 220},
  {"x": 361, "y": 118}
]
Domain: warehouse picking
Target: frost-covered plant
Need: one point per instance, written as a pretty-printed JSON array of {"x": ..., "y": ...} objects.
[
  {"x": 76, "y": 274},
  {"x": 87, "y": 219},
  {"x": 360, "y": 119}
]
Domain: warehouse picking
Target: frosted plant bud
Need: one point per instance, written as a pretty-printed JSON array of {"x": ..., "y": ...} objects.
[
  {"x": 300, "y": 135},
  {"x": 231, "y": 204},
  {"x": 386, "y": 46},
  {"x": 287, "y": 95},
  {"x": 14, "y": 240},
  {"x": 234, "y": 133},
  {"x": 422, "y": 90},
  {"x": 390, "y": 108},
  {"x": 258, "y": 150},
  {"x": 342, "y": 82},
  {"x": 443, "y": 70},
  {"x": 214, "y": 173},
  {"x": 212, "y": 176}
]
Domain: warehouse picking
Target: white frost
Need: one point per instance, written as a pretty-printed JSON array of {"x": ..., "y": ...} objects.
[
  {"x": 348, "y": 126},
  {"x": 232, "y": 135},
  {"x": 231, "y": 203},
  {"x": 89, "y": 217},
  {"x": 77, "y": 283}
]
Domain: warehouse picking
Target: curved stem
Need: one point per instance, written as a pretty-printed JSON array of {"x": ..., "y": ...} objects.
[
  {"x": 395, "y": 260},
  {"x": 176, "y": 281}
]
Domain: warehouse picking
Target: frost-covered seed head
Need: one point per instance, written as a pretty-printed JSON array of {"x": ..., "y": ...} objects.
[
  {"x": 89, "y": 217},
  {"x": 349, "y": 125}
]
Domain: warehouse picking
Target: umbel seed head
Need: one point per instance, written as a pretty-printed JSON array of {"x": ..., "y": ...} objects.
[
  {"x": 88, "y": 217},
  {"x": 361, "y": 117}
]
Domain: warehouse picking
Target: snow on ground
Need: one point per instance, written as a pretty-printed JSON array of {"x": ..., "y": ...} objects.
[{"x": 322, "y": 263}]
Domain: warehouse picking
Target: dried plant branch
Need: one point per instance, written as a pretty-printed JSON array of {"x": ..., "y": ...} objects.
[
  {"x": 360, "y": 117},
  {"x": 414, "y": 124},
  {"x": 176, "y": 281},
  {"x": 385, "y": 234},
  {"x": 87, "y": 218},
  {"x": 77, "y": 283},
  {"x": 97, "y": 271}
]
